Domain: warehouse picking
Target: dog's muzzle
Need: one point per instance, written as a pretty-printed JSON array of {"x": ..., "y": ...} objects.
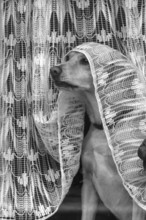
[{"x": 55, "y": 72}]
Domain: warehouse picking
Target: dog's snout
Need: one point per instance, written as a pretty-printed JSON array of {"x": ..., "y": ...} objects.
[{"x": 55, "y": 71}]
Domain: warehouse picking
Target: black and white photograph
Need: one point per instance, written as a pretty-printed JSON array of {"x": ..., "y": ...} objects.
[{"x": 72, "y": 110}]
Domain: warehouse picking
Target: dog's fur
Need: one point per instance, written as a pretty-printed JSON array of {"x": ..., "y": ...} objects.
[{"x": 100, "y": 176}]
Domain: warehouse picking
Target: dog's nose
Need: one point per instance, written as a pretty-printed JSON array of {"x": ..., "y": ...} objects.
[{"x": 55, "y": 71}]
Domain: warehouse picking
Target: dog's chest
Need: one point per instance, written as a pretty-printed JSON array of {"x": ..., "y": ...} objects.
[
  {"x": 96, "y": 154},
  {"x": 96, "y": 140}
]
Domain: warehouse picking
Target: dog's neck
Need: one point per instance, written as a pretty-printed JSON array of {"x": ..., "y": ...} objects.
[{"x": 92, "y": 108}]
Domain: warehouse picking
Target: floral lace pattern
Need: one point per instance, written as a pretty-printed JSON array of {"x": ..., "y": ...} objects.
[
  {"x": 122, "y": 103},
  {"x": 41, "y": 130}
]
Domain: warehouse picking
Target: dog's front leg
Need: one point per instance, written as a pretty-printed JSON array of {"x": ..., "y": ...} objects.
[
  {"x": 89, "y": 198},
  {"x": 89, "y": 193}
]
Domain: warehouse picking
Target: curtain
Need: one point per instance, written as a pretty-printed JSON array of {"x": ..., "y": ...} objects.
[{"x": 41, "y": 135}]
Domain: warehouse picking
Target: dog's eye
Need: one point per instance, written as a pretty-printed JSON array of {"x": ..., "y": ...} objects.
[{"x": 84, "y": 61}]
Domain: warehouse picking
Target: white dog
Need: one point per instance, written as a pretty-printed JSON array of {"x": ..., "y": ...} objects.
[{"x": 100, "y": 176}]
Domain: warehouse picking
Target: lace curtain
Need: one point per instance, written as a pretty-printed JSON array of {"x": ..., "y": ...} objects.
[{"x": 41, "y": 137}]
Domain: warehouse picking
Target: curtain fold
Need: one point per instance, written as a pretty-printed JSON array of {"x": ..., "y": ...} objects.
[{"x": 41, "y": 129}]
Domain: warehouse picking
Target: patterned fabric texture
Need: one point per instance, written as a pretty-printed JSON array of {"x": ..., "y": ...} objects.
[
  {"x": 41, "y": 135},
  {"x": 121, "y": 98}
]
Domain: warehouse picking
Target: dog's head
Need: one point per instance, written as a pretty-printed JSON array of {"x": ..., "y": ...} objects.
[{"x": 74, "y": 73}]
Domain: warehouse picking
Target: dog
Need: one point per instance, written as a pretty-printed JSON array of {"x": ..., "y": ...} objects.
[{"x": 100, "y": 176}]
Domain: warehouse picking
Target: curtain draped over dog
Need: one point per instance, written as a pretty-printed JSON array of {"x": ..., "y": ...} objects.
[{"x": 41, "y": 137}]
